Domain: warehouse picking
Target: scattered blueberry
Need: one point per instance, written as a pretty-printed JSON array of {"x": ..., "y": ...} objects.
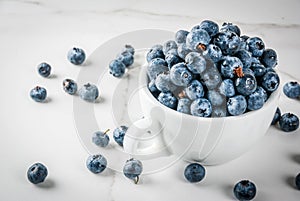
[
  {"x": 194, "y": 172},
  {"x": 128, "y": 48},
  {"x": 289, "y": 122},
  {"x": 244, "y": 190},
  {"x": 89, "y": 92},
  {"x": 117, "y": 68},
  {"x": 236, "y": 105},
  {"x": 183, "y": 105},
  {"x": 38, "y": 94},
  {"x": 44, "y": 69},
  {"x": 180, "y": 36},
  {"x": 70, "y": 86},
  {"x": 292, "y": 89},
  {"x": 132, "y": 169},
  {"x": 276, "y": 117},
  {"x": 76, "y": 56},
  {"x": 119, "y": 134},
  {"x": 167, "y": 99},
  {"x": 96, "y": 163},
  {"x": 126, "y": 58},
  {"x": 100, "y": 138},
  {"x": 37, "y": 173},
  {"x": 256, "y": 46},
  {"x": 201, "y": 107}
]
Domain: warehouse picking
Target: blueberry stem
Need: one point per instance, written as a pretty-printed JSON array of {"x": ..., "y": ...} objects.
[{"x": 106, "y": 131}]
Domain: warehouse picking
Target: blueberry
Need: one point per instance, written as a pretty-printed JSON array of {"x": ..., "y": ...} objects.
[
  {"x": 246, "y": 85},
  {"x": 213, "y": 52},
  {"x": 270, "y": 81},
  {"x": 119, "y": 134},
  {"x": 89, "y": 92},
  {"x": 172, "y": 58},
  {"x": 244, "y": 190},
  {"x": 201, "y": 107},
  {"x": 194, "y": 90},
  {"x": 289, "y": 122},
  {"x": 44, "y": 69},
  {"x": 262, "y": 93},
  {"x": 163, "y": 82},
  {"x": 96, "y": 163},
  {"x": 227, "y": 26},
  {"x": 194, "y": 172},
  {"x": 180, "y": 75},
  {"x": 215, "y": 97},
  {"x": 276, "y": 117},
  {"x": 219, "y": 112},
  {"x": 168, "y": 45},
  {"x": 256, "y": 46},
  {"x": 132, "y": 169},
  {"x": 38, "y": 94},
  {"x": 292, "y": 89},
  {"x": 37, "y": 173},
  {"x": 228, "y": 42},
  {"x": 229, "y": 66},
  {"x": 180, "y": 36},
  {"x": 184, "y": 105},
  {"x": 155, "y": 67},
  {"x": 258, "y": 69},
  {"x": 269, "y": 58},
  {"x": 183, "y": 50},
  {"x": 244, "y": 45},
  {"x": 128, "y": 48},
  {"x": 76, "y": 56},
  {"x": 297, "y": 181},
  {"x": 211, "y": 77},
  {"x": 117, "y": 68},
  {"x": 195, "y": 62},
  {"x": 236, "y": 105},
  {"x": 155, "y": 52},
  {"x": 227, "y": 88},
  {"x": 197, "y": 40},
  {"x": 167, "y": 99},
  {"x": 126, "y": 58},
  {"x": 210, "y": 27},
  {"x": 245, "y": 57},
  {"x": 70, "y": 86},
  {"x": 153, "y": 89},
  {"x": 100, "y": 138},
  {"x": 255, "y": 101}
]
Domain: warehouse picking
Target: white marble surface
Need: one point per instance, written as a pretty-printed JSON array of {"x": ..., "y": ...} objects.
[{"x": 36, "y": 31}]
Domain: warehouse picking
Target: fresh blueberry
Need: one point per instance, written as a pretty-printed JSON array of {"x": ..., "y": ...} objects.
[
  {"x": 126, "y": 58},
  {"x": 119, "y": 134},
  {"x": 96, "y": 163},
  {"x": 211, "y": 77},
  {"x": 76, "y": 56},
  {"x": 276, "y": 117},
  {"x": 255, "y": 101},
  {"x": 258, "y": 69},
  {"x": 168, "y": 45},
  {"x": 172, "y": 58},
  {"x": 156, "y": 66},
  {"x": 163, "y": 82},
  {"x": 38, "y": 94},
  {"x": 229, "y": 67},
  {"x": 297, "y": 181},
  {"x": 292, "y": 89},
  {"x": 219, "y": 112},
  {"x": 244, "y": 190},
  {"x": 197, "y": 40},
  {"x": 256, "y": 46},
  {"x": 201, "y": 107},
  {"x": 167, "y": 99},
  {"x": 180, "y": 75},
  {"x": 117, "y": 68},
  {"x": 210, "y": 27},
  {"x": 100, "y": 138},
  {"x": 195, "y": 62},
  {"x": 227, "y": 88},
  {"x": 89, "y": 92},
  {"x": 183, "y": 50},
  {"x": 215, "y": 98},
  {"x": 155, "y": 52},
  {"x": 228, "y": 42},
  {"x": 153, "y": 89},
  {"x": 213, "y": 52},
  {"x": 245, "y": 57},
  {"x": 236, "y": 105},
  {"x": 244, "y": 45},
  {"x": 37, "y": 173},
  {"x": 269, "y": 58},
  {"x": 262, "y": 93},
  {"x": 184, "y": 105},
  {"x": 132, "y": 169},
  {"x": 194, "y": 172},
  {"x": 180, "y": 36},
  {"x": 246, "y": 85},
  {"x": 227, "y": 26},
  {"x": 128, "y": 48},
  {"x": 289, "y": 122},
  {"x": 194, "y": 90},
  {"x": 70, "y": 86},
  {"x": 44, "y": 69},
  {"x": 270, "y": 81}
]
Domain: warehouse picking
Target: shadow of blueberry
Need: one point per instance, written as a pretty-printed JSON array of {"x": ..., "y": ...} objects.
[
  {"x": 48, "y": 183},
  {"x": 228, "y": 191},
  {"x": 290, "y": 181},
  {"x": 296, "y": 158}
]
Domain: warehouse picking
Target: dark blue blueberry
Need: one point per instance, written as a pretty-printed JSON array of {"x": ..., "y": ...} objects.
[
  {"x": 244, "y": 190},
  {"x": 70, "y": 86},
  {"x": 37, "y": 173},
  {"x": 89, "y": 92},
  {"x": 184, "y": 105},
  {"x": 258, "y": 69},
  {"x": 229, "y": 66},
  {"x": 117, "y": 68},
  {"x": 163, "y": 82},
  {"x": 262, "y": 93},
  {"x": 100, "y": 138},
  {"x": 269, "y": 58},
  {"x": 227, "y": 88},
  {"x": 194, "y": 90},
  {"x": 227, "y": 26},
  {"x": 297, "y": 181},
  {"x": 38, "y": 94},
  {"x": 210, "y": 27},
  {"x": 172, "y": 58},
  {"x": 195, "y": 62},
  {"x": 289, "y": 122},
  {"x": 219, "y": 111},
  {"x": 213, "y": 52},
  {"x": 155, "y": 52},
  {"x": 76, "y": 56},
  {"x": 44, "y": 69},
  {"x": 96, "y": 163},
  {"x": 211, "y": 77},
  {"x": 153, "y": 89},
  {"x": 183, "y": 50},
  {"x": 255, "y": 101},
  {"x": 236, "y": 105},
  {"x": 246, "y": 85},
  {"x": 156, "y": 66},
  {"x": 167, "y": 99},
  {"x": 228, "y": 42},
  {"x": 180, "y": 36},
  {"x": 215, "y": 98},
  {"x": 270, "y": 81},
  {"x": 244, "y": 45},
  {"x": 194, "y": 172},
  {"x": 132, "y": 169},
  {"x": 128, "y": 48},
  {"x": 197, "y": 40},
  {"x": 126, "y": 58},
  {"x": 245, "y": 57},
  {"x": 292, "y": 89},
  {"x": 119, "y": 134},
  {"x": 201, "y": 107},
  {"x": 180, "y": 75},
  {"x": 169, "y": 45},
  {"x": 276, "y": 117},
  {"x": 256, "y": 46}
]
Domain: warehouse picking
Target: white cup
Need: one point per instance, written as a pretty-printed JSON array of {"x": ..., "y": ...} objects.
[{"x": 211, "y": 141}]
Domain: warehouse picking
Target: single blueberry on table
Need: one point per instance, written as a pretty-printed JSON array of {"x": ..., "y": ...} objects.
[
  {"x": 201, "y": 107},
  {"x": 153, "y": 89},
  {"x": 245, "y": 57},
  {"x": 246, "y": 85},
  {"x": 100, "y": 138},
  {"x": 180, "y": 36},
  {"x": 195, "y": 62},
  {"x": 297, "y": 181},
  {"x": 244, "y": 190},
  {"x": 38, "y": 94},
  {"x": 155, "y": 52},
  {"x": 183, "y": 50},
  {"x": 236, "y": 105},
  {"x": 126, "y": 58},
  {"x": 292, "y": 89},
  {"x": 215, "y": 97},
  {"x": 276, "y": 117},
  {"x": 163, "y": 82},
  {"x": 213, "y": 52},
  {"x": 227, "y": 26},
  {"x": 256, "y": 46},
  {"x": 194, "y": 172},
  {"x": 169, "y": 45},
  {"x": 183, "y": 105},
  {"x": 270, "y": 81},
  {"x": 167, "y": 99},
  {"x": 210, "y": 27},
  {"x": 89, "y": 92},
  {"x": 289, "y": 122},
  {"x": 44, "y": 69},
  {"x": 194, "y": 90},
  {"x": 119, "y": 134},
  {"x": 156, "y": 66},
  {"x": 70, "y": 86},
  {"x": 227, "y": 88},
  {"x": 133, "y": 169},
  {"x": 269, "y": 58},
  {"x": 229, "y": 66},
  {"x": 96, "y": 163},
  {"x": 180, "y": 75},
  {"x": 76, "y": 56},
  {"x": 255, "y": 101},
  {"x": 228, "y": 42},
  {"x": 37, "y": 173},
  {"x": 117, "y": 68},
  {"x": 197, "y": 40},
  {"x": 128, "y": 48}
]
